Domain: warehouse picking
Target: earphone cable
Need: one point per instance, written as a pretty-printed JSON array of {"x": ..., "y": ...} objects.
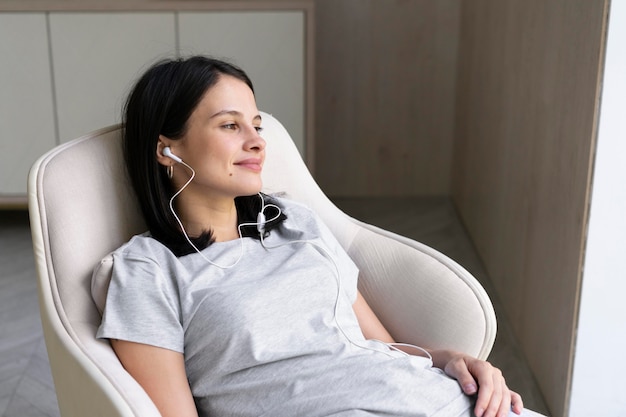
[
  {"x": 260, "y": 226},
  {"x": 180, "y": 223}
]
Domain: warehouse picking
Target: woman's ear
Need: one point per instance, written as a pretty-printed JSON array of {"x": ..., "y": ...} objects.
[{"x": 161, "y": 158}]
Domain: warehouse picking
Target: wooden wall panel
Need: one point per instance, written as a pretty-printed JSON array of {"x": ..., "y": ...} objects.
[
  {"x": 525, "y": 129},
  {"x": 385, "y": 75}
]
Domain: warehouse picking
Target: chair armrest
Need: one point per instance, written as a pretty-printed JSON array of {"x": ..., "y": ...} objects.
[{"x": 422, "y": 296}]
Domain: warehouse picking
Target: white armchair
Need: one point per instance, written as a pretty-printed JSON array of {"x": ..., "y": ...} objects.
[{"x": 82, "y": 207}]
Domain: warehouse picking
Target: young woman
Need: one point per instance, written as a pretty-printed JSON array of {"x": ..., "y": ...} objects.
[{"x": 220, "y": 311}]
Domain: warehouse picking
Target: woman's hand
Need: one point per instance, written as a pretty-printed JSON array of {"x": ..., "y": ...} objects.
[{"x": 494, "y": 398}]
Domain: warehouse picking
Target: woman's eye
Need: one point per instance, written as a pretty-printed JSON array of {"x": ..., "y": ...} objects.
[
  {"x": 259, "y": 129},
  {"x": 231, "y": 126}
]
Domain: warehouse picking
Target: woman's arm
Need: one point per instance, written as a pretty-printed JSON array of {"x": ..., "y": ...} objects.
[
  {"x": 161, "y": 373},
  {"x": 494, "y": 397},
  {"x": 370, "y": 325}
]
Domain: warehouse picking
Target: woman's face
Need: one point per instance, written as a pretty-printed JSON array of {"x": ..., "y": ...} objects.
[{"x": 222, "y": 143}]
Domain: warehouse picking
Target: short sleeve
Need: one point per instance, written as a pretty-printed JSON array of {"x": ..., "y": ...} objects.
[{"x": 142, "y": 304}]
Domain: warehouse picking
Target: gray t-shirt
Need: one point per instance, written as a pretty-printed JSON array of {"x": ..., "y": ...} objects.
[{"x": 274, "y": 335}]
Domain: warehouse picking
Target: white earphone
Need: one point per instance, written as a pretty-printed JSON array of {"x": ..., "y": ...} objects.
[
  {"x": 260, "y": 225},
  {"x": 168, "y": 152}
]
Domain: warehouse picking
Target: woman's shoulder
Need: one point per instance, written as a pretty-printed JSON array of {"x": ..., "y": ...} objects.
[
  {"x": 144, "y": 246},
  {"x": 300, "y": 217},
  {"x": 291, "y": 206}
]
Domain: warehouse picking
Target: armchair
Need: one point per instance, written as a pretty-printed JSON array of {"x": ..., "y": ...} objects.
[{"x": 82, "y": 207}]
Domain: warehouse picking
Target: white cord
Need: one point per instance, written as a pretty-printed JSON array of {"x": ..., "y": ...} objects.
[
  {"x": 261, "y": 222},
  {"x": 326, "y": 253},
  {"x": 180, "y": 223},
  {"x": 261, "y": 228},
  {"x": 394, "y": 347}
]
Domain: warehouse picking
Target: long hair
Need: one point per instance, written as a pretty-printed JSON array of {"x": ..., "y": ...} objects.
[{"x": 161, "y": 103}]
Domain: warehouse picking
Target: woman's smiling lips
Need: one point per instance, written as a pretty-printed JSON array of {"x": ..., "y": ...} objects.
[{"x": 253, "y": 164}]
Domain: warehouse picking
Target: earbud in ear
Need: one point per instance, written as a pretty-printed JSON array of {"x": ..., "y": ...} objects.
[{"x": 168, "y": 152}]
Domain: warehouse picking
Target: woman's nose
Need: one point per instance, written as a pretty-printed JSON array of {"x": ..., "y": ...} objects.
[{"x": 255, "y": 141}]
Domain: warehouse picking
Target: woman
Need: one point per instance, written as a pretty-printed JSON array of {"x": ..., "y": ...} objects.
[{"x": 219, "y": 310}]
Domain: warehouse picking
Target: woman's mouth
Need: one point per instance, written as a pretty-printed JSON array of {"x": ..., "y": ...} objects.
[{"x": 253, "y": 164}]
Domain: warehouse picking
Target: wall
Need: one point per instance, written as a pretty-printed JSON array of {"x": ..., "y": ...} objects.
[
  {"x": 385, "y": 89},
  {"x": 74, "y": 71},
  {"x": 385, "y": 75},
  {"x": 599, "y": 367},
  {"x": 526, "y": 100}
]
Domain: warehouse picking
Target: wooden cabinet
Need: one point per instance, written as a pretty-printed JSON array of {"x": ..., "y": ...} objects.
[{"x": 66, "y": 72}]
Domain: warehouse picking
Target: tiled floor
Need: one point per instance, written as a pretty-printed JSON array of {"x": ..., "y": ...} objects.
[{"x": 26, "y": 388}]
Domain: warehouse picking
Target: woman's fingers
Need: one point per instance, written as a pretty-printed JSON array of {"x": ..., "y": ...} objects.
[
  {"x": 516, "y": 402},
  {"x": 489, "y": 393},
  {"x": 501, "y": 402},
  {"x": 494, "y": 398},
  {"x": 458, "y": 369},
  {"x": 505, "y": 401}
]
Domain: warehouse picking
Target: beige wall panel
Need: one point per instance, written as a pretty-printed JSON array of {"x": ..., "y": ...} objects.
[
  {"x": 527, "y": 90},
  {"x": 269, "y": 46},
  {"x": 97, "y": 57},
  {"x": 26, "y": 115},
  {"x": 385, "y": 83}
]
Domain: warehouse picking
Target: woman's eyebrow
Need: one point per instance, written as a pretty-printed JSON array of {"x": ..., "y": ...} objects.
[
  {"x": 226, "y": 112},
  {"x": 233, "y": 113}
]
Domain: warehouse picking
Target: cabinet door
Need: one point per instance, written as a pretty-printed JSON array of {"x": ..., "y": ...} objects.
[
  {"x": 26, "y": 113},
  {"x": 97, "y": 57},
  {"x": 268, "y": 45}
]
